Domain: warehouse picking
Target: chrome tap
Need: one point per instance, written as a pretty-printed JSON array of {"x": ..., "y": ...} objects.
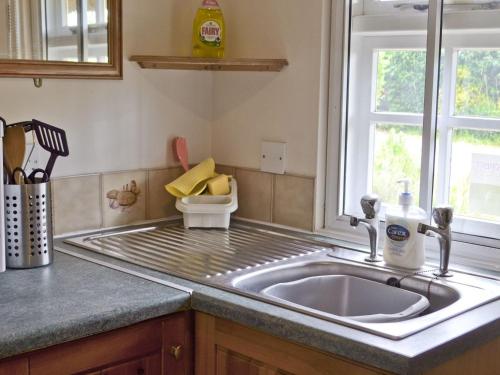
[
  {"x": 443, "y": 217},
  {"x": 371, "y": 206}
]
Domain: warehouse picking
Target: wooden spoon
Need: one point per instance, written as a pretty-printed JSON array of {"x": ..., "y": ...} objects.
[{"x": 14, "y": 148}]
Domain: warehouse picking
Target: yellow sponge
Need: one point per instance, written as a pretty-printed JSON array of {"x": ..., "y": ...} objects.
[
  {"x": 194, "y": 181},
  {"x": 219, "y": 185}
]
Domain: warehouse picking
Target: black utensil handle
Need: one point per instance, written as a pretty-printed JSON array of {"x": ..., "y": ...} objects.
[
  {"x": 50, "y": 164},
  {"x": 32, "y": 176}
]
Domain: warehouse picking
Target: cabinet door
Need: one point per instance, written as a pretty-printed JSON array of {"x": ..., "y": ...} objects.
[
  {"x": 229, "y": 362},
  {"x": 223, "y": 347},
  {"x": 150, "y": 365},
  {"x": 14, "y": 367}
]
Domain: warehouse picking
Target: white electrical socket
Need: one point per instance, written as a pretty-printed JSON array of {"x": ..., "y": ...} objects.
[{"x": 273, "y": 157}]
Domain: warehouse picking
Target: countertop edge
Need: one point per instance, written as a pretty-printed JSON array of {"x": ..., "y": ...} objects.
[
  {"x": 94, "y": 325},
  {"x": 302, "y": 334}
]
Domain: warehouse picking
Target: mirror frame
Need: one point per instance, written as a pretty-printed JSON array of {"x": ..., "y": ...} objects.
[{"x": 59, "y": 69}]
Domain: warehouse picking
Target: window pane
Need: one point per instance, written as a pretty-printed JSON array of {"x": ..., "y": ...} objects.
[
  {"x": 396, "y": 156},
  {"x": 478, "y": 83},
  {"x": 400, "y": 81},
  {"x": 385, "y": 101},
  {"x": 475, "y": 174}
]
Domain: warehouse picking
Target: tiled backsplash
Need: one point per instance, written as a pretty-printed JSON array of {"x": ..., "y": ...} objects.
[{"x": 105, "y": 200}]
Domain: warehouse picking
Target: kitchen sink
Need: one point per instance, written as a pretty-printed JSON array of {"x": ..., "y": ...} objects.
[
  {"x": 446, "y": 297},
  {"x": 349, "y": 296},
  {"x": 300, "y": 273}
]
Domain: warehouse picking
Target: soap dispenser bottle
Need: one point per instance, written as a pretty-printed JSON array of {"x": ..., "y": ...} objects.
[{"x": 404, "y": 246}]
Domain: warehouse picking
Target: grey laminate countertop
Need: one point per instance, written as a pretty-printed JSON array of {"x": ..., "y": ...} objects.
[{"x": 72, "y": 299}]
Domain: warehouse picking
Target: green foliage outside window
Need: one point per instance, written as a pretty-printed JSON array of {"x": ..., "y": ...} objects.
[
  {"x": 400, "y": 89},
  {"x": 400, "y": 81},
  {"x": 478, "y": 83}
]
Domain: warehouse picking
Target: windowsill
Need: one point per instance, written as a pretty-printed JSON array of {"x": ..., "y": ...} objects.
[{"x": 465, "y": 257}]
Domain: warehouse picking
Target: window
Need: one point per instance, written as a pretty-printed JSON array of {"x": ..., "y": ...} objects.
[{"x": 448, "y": 146}]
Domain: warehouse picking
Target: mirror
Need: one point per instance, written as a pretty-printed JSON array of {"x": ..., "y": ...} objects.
[{"x": 60, "y": 38}]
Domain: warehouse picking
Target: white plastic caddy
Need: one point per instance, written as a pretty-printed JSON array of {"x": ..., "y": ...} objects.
[{"x": 209, "y": 211}]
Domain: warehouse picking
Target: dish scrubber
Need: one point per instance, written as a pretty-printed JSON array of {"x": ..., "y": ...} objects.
[
  {"x": 194, "y": 181},
  {"x": 219, "y": 185}
]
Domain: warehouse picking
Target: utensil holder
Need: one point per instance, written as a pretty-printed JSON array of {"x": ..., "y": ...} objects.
[{"x": 28, "y": 225}]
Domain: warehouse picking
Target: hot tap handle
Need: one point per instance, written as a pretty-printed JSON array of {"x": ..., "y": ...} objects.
[
  {"x": 443, "y": 216},
  {"x": 370, "y": 205}
]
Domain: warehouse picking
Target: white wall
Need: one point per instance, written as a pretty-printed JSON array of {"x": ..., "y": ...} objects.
[
  {"x": 251, "y": 107},
  {"x": 118, "y": 125}
]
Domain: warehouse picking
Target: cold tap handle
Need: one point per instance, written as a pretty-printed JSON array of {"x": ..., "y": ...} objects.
[
  {"x": 443, "y": 216},
  {"x": 370, "y": 204}
]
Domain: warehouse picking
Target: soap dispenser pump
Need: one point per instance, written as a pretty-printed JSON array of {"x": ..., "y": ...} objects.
[
  {"x": 405, "y": 198},
  {"x": 404, "y": 245}
]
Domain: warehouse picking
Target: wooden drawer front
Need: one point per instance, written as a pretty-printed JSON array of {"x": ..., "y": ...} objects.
[
  {"x": 99, "y": 351},
  {"x": 150, "y": 365},
  {"x": 14, "y": 367}
]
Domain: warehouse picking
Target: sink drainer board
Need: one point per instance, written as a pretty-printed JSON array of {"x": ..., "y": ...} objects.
[
  {"x": 199, "y": 254},
  {"x": 247, "y": 259}
]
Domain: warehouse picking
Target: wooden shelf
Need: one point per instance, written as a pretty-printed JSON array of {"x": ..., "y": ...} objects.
[{"x": 194, "y": 63}]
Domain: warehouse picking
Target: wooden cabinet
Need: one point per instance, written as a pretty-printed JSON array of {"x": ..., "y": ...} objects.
[
  {"x": 157, "y": 347},
  {"x": 18, "y": 366},
  {"x": 226, "y": 348},
  {"x": 150, "y": 365},
  {"x": 164, "y": 346}
]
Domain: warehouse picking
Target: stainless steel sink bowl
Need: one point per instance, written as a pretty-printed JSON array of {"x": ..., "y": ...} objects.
[
  {"x": 349, "y": 296},
  {"x": 447, "y": 297}
]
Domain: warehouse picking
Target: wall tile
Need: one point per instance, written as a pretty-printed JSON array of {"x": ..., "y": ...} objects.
[
  {"x": 160, "y": 203},
  {"x": 83, "y": 203},
  {"x": 255, "y": 190},
  {"x": 293, "y": 201},
  {"x": 118, "y": 206},
  {"x": 76, "y": 203}
]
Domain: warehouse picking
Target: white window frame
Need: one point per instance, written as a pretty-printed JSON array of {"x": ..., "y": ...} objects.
[
  {"x": 471, "y": 250},
  {"x": 384, "y": 7},
  {"x": 375, "y": 7}
]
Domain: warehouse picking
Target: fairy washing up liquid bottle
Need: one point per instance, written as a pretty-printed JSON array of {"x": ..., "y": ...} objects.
[{"x": 209, "y": 31}]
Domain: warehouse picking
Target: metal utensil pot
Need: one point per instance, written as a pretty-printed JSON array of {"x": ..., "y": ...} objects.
[{"x": 28, "y": 225}]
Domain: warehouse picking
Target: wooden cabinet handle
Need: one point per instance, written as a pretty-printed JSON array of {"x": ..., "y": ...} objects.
[{"x": 176, "y": 351}]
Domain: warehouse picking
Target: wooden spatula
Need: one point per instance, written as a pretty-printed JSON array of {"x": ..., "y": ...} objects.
[{"x": 14, "y": 147}]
